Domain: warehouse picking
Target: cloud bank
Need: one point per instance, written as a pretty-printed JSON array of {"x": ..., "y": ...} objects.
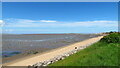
[
  {"x": 52, "y": 26},
  {"x": 51, "y": 23}
]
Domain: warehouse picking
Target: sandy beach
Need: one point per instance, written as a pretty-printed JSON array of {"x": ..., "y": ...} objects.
[{"x": 50, "y": 54}]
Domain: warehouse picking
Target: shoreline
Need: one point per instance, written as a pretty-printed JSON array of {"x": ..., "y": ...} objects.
[
  {"x": 31, "y": 47},
  {"x": 54, "y": 52}
]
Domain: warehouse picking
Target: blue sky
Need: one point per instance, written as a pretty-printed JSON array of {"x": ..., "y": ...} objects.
[{"x": 59, "y": 17}]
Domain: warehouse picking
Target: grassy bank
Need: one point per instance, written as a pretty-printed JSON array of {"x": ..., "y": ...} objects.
[{"x": 102, "y": 53}]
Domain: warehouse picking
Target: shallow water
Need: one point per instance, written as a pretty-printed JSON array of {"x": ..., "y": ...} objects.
[{"x": 10, "y": 53}]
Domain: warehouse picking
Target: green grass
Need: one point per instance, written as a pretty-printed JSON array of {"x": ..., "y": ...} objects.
[{"x": 98, "y": 54}]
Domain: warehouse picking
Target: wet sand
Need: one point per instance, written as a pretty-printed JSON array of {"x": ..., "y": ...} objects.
[{"x": 50, "y": 54}]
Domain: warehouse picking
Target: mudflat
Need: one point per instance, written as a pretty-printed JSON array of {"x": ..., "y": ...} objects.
[
  {"x": 16, "y": 46},
  {"x": 50, "y": 54}
]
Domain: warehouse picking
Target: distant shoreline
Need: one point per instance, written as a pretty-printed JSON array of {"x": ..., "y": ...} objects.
[{"x": 48, "y": 33}]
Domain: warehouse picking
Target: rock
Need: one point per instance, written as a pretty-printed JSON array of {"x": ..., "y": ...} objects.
[
  {"x": 62, "y": 58},
  {"x": 44, "y": 65},
  {"x": 51, "y": 61},
  {"x": 56, "y": 60},
  {"x": 67, "y": 54},
  {"x": 75, "y": 51}
]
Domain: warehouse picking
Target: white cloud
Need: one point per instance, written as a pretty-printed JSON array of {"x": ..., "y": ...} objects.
[
  {"x": 47, "y": 21},
  {"x": 8, "y": 30},
  {"x": 1, "y": 23},
  {"x": 50, "y": 23}
]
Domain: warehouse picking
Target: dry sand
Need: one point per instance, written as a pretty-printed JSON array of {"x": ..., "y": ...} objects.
[{"x": 51, "y": 54}]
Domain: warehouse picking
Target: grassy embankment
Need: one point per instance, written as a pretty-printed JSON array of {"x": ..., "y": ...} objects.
[{"x": 102, "y": 53}]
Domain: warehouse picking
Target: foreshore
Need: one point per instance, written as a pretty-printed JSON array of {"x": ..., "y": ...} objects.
[
  {"x": 20, "y": 46},
  {"x": 51, "y": 54}
]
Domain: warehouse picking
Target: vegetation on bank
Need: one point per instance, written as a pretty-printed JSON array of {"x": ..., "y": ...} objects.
[
  {"x": 112, "y": 38},
  {"x": 102, "y": 53}
]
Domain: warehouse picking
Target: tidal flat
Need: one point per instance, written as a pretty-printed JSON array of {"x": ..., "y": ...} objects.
[{"x": 15, "y": 46}]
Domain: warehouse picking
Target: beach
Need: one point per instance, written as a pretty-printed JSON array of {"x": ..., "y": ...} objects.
[
  {"x": 50, "y": 54},
  {"x": 19, "y": 46}
]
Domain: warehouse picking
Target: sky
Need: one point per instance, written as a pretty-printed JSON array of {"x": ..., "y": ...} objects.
[
  {"x": 59, "y": 17},
  {"x": 60, "y": 1}
]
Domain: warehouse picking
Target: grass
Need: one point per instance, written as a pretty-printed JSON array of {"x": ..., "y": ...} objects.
[{"x": 98, "y": 54}]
